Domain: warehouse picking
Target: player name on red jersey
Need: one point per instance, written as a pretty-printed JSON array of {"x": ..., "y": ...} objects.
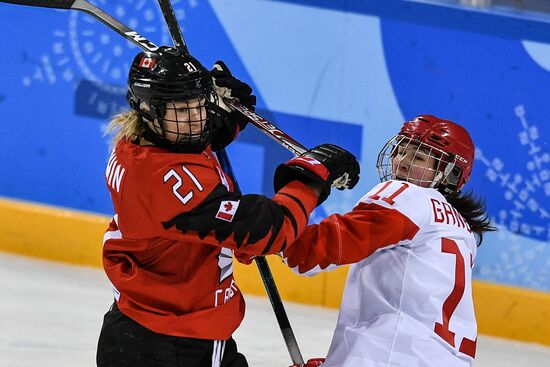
[{"x": 114, "y": 173}]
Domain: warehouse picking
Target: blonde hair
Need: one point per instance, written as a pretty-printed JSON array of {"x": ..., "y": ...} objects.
[{"x": 125, "y": 125}]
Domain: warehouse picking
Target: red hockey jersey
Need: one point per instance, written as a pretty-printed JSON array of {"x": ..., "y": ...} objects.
[{"x": 168, "y": 250}]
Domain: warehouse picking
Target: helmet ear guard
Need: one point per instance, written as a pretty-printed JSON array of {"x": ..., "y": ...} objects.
[
  {"x": 452, "y": 176},
  {"x": 448, "y": 179}
]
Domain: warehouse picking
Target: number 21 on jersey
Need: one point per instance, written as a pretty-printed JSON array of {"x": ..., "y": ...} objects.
[{"x": 178, "y": 183}]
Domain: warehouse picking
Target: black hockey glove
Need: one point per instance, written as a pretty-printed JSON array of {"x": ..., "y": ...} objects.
[
  {"x": 227, "y": 86},
  {"x": 327, "y": 165}
]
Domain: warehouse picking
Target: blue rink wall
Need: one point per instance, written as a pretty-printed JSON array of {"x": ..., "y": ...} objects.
[{"x": 345, "y": 72}]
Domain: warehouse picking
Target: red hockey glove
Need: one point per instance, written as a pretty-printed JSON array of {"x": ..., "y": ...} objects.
[
  {"x": 313, "y": 362},
  {"x": 327, "y": 165}
]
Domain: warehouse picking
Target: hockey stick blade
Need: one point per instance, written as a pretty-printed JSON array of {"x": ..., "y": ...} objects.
[
  {"x": 56, "y": 4},
  {"x": 173, "y": 26},
  {"x": 97, "y": 13}
]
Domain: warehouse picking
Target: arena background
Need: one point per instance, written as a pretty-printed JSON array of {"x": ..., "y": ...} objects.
[{"x": 345, "y": 72}]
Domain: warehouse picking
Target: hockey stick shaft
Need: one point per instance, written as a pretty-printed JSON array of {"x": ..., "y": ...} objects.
[
  {"x": 279, "y": 310},
  {"x": 267, "y": 127},
  {"x": 97, "y": 13},
  {"x": 57, "y": 4},
  {"x": 173, "y": 26},
  {"x": 269, "y": 282}
]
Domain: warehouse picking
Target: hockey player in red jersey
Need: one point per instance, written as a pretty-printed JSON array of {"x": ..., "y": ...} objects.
[
  {"x": 412, "y": 239},
  {"x": 168, "y": 250}
]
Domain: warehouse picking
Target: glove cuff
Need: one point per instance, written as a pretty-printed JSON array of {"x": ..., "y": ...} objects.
[
  {"x": 286, "y": 173},
  {"x": 310, "y": 164}
]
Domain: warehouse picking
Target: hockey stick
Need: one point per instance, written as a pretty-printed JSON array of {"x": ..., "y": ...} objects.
[
  {"x": 269, "y": 282},
  {"x": 261, "y": 262}
]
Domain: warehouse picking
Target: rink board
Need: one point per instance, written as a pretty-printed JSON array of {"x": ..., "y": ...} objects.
[{"x": 75, "y": 237}]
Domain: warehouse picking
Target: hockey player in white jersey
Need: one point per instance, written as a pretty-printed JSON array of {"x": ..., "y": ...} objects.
[{"x": 413, "y": 239}]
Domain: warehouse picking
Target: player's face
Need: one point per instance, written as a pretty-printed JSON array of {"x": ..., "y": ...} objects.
[
  {"x": 413, "y": 164},
  {"x": 184, "y": 120}
]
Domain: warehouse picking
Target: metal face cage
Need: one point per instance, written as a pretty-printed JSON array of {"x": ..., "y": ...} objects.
[
  {"x": 405, "y": 159},
  {"x": 185, "y": 125}
]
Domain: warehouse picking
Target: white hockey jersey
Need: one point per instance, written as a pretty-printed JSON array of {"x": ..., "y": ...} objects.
[{"x": 408, "y": 301}]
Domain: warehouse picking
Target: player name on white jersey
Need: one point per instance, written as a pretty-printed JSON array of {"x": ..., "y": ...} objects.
[{"x": 444, "y": 213}]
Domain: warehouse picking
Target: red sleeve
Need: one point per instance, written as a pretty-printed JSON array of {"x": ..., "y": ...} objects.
[
  {"x": 251, "y": 224},
  {"x": 349, "y": 238}
]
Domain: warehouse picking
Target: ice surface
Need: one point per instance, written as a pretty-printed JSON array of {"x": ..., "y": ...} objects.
[{"x": 51, "y": 314}]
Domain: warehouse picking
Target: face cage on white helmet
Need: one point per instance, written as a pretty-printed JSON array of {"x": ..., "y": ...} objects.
[{"x": 443, "y": 170}]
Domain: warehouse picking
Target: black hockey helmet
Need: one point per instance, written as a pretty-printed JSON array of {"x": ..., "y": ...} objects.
[{"x": 175, "y": 100}]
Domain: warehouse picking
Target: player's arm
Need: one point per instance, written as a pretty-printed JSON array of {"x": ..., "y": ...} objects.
[
  {"x": 252, "y": 224},
  {"x": 349, "y": 238},
  {"x": 257, "y": 225}
]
